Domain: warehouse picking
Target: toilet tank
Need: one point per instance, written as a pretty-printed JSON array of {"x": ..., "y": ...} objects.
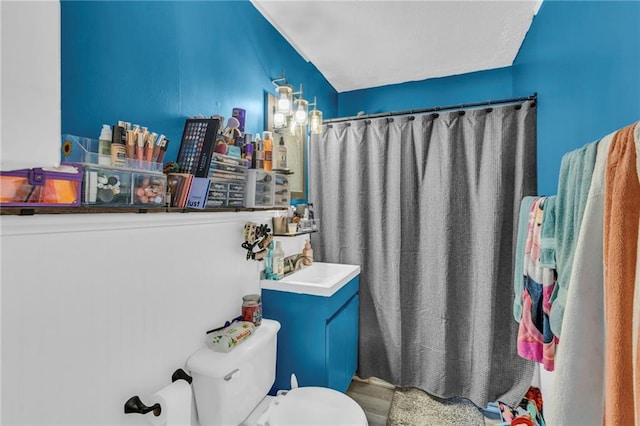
[{"x": 228, "y": 386}]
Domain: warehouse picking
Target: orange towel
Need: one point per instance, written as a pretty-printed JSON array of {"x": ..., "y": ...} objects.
[
  {"x": 636, "y": 300},
  {"x": 621, "y": 216}
]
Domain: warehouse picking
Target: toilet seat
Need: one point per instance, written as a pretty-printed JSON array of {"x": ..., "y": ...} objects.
[{"x": 307, "y": 406}]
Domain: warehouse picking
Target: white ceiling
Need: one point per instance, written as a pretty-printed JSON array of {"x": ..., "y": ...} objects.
[{"x": 363, "y": 44}]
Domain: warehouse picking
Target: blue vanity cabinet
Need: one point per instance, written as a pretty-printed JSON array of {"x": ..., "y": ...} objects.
[
  {"x": 318, "y": 338},
  {"x": 342, "y": 355}
]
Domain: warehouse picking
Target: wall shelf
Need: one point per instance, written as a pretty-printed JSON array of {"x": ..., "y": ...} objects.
[
  {"x": 294, "y": 235},
  {"x": 30, "y": 211}
]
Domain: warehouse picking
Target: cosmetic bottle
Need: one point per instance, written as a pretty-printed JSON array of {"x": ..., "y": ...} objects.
[
  {"x": 267, "y": 143},
  {"x": 259, "y": 153},
  {"x": 118, "y": 147},
  {"x": 240, "y": 114},
  {"x": 104, "y": 146},
  {"x": 281, "y": 155},
  {"x": 239, "y": 142},
  {"x": 307, "y": 252},
  {"x": 248, "y": 154},
  {"x": 278, "y": 262},
  {"x": 247, "y": 150}
]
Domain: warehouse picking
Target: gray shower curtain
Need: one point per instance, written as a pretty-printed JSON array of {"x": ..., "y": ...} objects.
[{"x": 427, "y": 205}]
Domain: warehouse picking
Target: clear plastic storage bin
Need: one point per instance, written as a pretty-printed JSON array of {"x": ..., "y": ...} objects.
[
  {"x": 137, "y": 183},
  {"x": 228, "y": 181},
  {"x": 260, "y": 188},
  {"x": 282, "y": 195}
]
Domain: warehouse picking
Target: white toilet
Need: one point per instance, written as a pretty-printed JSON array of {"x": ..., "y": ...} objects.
[{"x": 231, "y": 389}]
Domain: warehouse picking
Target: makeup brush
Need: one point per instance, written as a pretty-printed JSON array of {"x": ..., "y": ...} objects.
[
  {"x": 156, "y": 149},
  {"x": 232, "y": 124},
  {"x": 150, "y": 145},
  {"x": 131, "y": 143},
  {"x": 163, "y": 149},
  {"x": 140, "y": 147}
]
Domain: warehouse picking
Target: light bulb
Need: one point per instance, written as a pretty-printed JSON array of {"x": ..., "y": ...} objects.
[
  {"x": 285, "y": 94},
  {"x": 279, "y": 120},
  {"x": 284, "y": 105},
  {"x": 301, "y": 117},
  {"x": 301, "y": 111}
]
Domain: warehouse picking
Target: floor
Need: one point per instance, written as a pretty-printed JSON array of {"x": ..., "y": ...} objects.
[{"x": 374, "y": 396}]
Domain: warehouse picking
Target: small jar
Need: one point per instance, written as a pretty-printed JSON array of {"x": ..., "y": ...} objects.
[{"x": 252, "y": 309}]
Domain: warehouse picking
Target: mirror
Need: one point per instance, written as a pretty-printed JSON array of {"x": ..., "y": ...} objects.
[{"x": 295, "y": 139}]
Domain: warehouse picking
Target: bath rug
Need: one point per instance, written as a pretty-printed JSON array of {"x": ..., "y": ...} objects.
[{"x": 414, "y": 407}]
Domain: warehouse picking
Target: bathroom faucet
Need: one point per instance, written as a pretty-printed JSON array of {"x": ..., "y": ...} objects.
[
  {"x": 294, "y": 262},
  {"x": 299, "y": 259}
]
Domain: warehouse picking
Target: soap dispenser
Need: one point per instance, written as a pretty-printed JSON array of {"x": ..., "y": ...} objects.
[{"x": 307, "y": 252}]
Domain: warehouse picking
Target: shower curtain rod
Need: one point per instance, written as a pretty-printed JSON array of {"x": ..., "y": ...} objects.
[{"x": 533, "y": 97}]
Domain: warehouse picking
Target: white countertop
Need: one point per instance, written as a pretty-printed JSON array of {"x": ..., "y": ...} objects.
[{"x": 317, "y": 279}]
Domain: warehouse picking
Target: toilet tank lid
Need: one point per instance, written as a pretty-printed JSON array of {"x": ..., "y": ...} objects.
[{"x": 217, "y": 364}]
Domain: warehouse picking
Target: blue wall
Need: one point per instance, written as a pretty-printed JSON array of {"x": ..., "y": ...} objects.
[
  {"x": 581, "y": 57},
  {"x": 154, "y": 63}
]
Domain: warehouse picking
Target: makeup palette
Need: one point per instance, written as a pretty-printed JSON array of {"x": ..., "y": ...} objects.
[{"x": 196, "y": 147}]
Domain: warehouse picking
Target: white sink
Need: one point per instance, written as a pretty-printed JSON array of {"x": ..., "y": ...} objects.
[{"x": 318, "y": 279}]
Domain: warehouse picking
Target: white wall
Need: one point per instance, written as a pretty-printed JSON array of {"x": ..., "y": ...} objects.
[
  {"x": 99, "y": 307},
  {"x": 30, "y": 109}
]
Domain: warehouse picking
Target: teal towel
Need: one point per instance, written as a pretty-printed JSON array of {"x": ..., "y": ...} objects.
[
  {"x": 574, "y": 182},
  {"x": 518, "y": 268},
  {"x": 548, "y": 234}
]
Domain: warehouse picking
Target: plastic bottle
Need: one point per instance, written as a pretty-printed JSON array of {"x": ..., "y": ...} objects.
[
  {"x": 248, "y": 154},
  {"x": 307, "y": 252},
  {"x": 259, "y": 153},
  {"x": 268, "y": 151},
  {"x": 118, "y": 147},
  {"x": 278, "y": 262},
  {"x": 104, "y": 146},
  {"x": 281, "y": 155},
  {"x": 268, "y": 262}
]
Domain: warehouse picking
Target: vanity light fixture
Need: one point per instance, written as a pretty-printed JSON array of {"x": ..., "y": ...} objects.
[{"x": 293, "y": 112}]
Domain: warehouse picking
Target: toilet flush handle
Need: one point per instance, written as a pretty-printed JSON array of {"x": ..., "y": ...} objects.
[{"x": 235, "y": 373}]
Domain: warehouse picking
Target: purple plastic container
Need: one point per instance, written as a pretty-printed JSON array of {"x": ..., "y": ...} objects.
[
  {"x": 240, "y": 114},
  {"x": 42, "y": 187}
]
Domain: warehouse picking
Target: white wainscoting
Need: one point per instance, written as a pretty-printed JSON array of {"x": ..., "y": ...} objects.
[{"x": 97, "y": 308}]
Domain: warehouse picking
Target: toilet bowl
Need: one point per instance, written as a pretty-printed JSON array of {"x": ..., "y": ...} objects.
[
  {"x": 231, "y": 389},
  {"x": 307, "y": 406}
]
